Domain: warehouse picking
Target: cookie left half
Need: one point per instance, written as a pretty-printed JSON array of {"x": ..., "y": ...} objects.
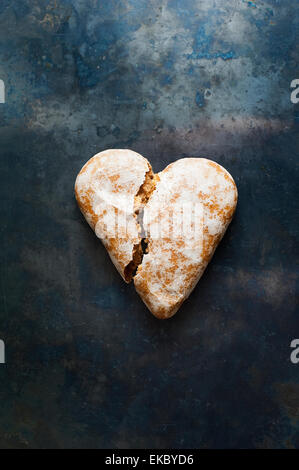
[{"x": 111, "y": 190}]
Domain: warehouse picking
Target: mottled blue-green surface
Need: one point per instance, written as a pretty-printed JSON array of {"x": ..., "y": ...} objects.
[{"x": 87, "y": 364}]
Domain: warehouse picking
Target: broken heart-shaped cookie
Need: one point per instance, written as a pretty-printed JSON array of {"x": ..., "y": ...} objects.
[{"x": 160, "y": 230}]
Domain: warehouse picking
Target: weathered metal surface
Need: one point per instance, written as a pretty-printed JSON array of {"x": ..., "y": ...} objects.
[{"x": 87, "y": 364}]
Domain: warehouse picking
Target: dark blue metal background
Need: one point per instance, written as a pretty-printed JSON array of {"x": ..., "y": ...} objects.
[{"x": 87, "y": 365}]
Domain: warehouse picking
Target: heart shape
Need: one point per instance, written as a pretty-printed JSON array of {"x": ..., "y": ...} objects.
[{"x": 160, "y": 230}]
